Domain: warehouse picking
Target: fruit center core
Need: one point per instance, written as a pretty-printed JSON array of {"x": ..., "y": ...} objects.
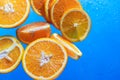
[
  {"x": 6, "y": 52},
  {"x": 8, "y": 8},
  {"x": 44, "y": 58},
  {"x": 75, "y": 24}
]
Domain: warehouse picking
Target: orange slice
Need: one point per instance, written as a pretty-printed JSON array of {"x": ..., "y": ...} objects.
[
  {"x": 44, "y": 59},
  {"x": 75, "y": 25},
  {"x": 59, "y": 7},
  {"x": 13, "y": 12},
  {"x": 10, "y": 54},
  {"x": 48, "y": 5},
  {"x": 71, "y": 49},
  {"x": 38, "y": 6},
  {"x": 33, "y": 31}
]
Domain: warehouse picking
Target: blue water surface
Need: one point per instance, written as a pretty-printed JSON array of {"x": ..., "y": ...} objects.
[{"x": 101, "y": 49}]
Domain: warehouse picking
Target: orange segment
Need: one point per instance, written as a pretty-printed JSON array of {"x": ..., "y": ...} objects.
[
  {"x": 10, "y": 54},
  {"x": 44, "y": 59},
  {"x": 33, "y": 31},
  {"x": 38, "y": 6},
  {"x": 75, "y": 25},
  {"x": 48, "y": 5},
  {"x": 59, "y": 7},
  {"x": 71, "y": 49},
  {"x": 13, "y": 12}
]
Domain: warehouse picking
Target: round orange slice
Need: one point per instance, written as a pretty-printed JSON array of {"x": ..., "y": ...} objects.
[
  {"x": 13, "y": 12},
  {"x": 10, "y": 54},
  {"x": 44, "y": 59},
  {"x": 48, "y": 5},
  {"x": 33, "y": 31},
  {"x": 71, "y": 49},
  {"x": 75, "y": 25},
  {"x": 61, "y": 6},
  {"x": 38, "y": 6}
]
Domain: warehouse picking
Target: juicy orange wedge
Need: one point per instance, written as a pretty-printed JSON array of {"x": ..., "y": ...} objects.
[
  {"x": 33, "y": 31},
  {"x": 44, "y": 59},
  {"x": 10, "y": 54},
  {"x": 13, "y": 12},
  {"x": 71, "y": 49}
]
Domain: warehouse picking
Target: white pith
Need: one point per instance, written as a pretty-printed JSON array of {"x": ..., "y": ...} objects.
[
  {"x": 6, "y": 52},
  {"x": 75, "y": 24},
  {"x": 33, "y": 29},
  {"x": 44, "y": 58},
  {"x": 8, "y": 8}
]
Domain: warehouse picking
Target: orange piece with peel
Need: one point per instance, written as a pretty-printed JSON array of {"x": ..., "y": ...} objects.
[
  {"x": 13, "y": 12},
  {"x": 33, "y": 31},
  {"x": 11, "y": 52},
  {"x": 48, "y": 5},
  {"x": 61, "y": 6},
  {"x": 44, "y": 59},
  {"x": 38, "y": 6},
  {"x": 75, "y": 25},
  {"x": 71, "y": 49}
]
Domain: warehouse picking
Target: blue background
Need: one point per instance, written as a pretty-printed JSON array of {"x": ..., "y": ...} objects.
[{"x": 101, "y": 49}]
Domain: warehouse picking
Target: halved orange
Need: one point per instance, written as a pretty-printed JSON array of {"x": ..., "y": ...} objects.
[
  {"x": 10, "y": 54},
  {"x": 48, "y": 5},
  {"x": 75, "y": 25},
  {"x": 44, "y": 59},
  {"x": 59, "y": 7},
  {"x": 33, "y": 31},
  {"x": 13, "y": 12},
  {"x": 71, "y": 49},
  {"x": 38, "y": 6}
]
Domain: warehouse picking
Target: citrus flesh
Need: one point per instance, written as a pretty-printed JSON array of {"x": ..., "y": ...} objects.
[
  {"x": 13, "y": 12},
  {"x": 71, "y": 49},
  {"x": 10, "y": 54},
  {"x": 59, "y": 7},
  {"x": 75, "y": 25},
  {"x": 33, "y": 31},
  {"x": 48, "y": 5},
  {"x": 44, "y": 59},
  {"x": 38, "y": 6}
]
